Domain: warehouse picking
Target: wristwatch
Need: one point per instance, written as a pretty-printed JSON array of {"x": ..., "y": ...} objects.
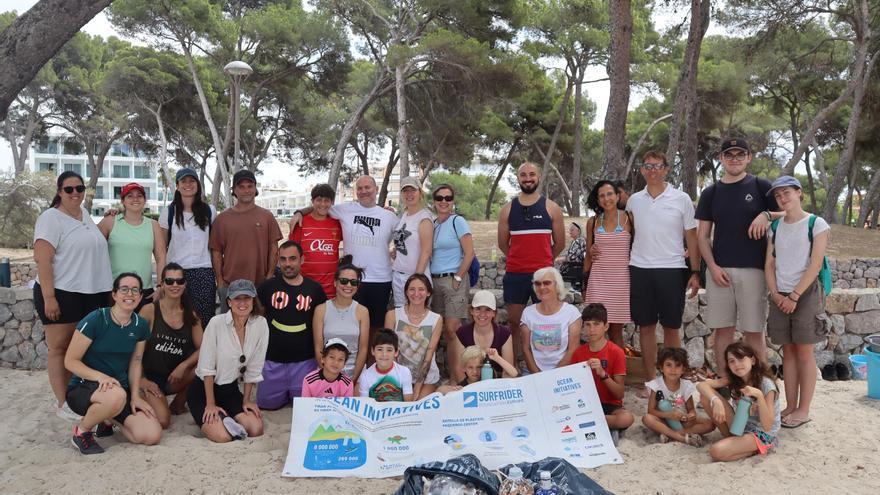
[{"x": 456, "y": 278}]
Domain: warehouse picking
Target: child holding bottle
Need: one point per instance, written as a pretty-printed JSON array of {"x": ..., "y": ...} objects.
[
  {"x": 474, "y": 357},
  {"x": 671, "y": 412}
]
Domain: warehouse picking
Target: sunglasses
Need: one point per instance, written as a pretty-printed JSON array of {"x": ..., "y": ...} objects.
[
  {"x": 527, "y": 213},
  {"x": 128, "y": 290},
  {"x": 175, "y": 281},
  {"x": 70, "y": 189},
  {"x": 734, "y": 156},
  {"x": 242, "y": 359},
  {"x": 348, "y": 281},
  {"x": 448, "y": 199},
  {"x": 653, "y": 166},
  {"x": 545, "y": 283}
]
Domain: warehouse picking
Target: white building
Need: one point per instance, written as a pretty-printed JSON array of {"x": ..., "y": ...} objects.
[{"x": 59, "y": 153}]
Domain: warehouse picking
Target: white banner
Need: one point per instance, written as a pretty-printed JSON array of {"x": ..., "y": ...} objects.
[{"x": 555, "y": 413}]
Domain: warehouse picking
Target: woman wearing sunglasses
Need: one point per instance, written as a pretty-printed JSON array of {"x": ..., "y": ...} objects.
[
  {"x": 134, "y": 240},
  {"x": 173, "y": 348},
  {"x": 343, "y": 318},
  {"x": 233, "y": 349},
  {"x": 104, "y": 357},
  {"x": 74, "y": 275},
  {"x": 551, "y": 329},
  {"x": 450, "y": 261}
]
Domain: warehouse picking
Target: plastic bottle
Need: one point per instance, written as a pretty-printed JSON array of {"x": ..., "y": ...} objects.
[
  {"x": 486, "y": 372},
  {"x": 741, "y": 416},
  {"x": 515, "y": 484},
  {"x": 664, "y": 405},
  {"x": 546, "y": 487}
]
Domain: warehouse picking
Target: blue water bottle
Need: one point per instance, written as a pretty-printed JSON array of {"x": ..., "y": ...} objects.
[
  {"x": 741, "y": 416},
  {"x": 666, "y": 406},
  {"x": 486, "y": 372},
  {"x": 546, "y": 486}
]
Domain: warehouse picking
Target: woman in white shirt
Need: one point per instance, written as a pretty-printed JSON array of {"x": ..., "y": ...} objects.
[
  {"x": 233, "y": 349},
  {"x": 413, "y": 238},
  {"x": 551, "y": 328}
]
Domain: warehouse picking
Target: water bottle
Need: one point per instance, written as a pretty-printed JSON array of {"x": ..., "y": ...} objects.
[
  {"x": 664, "y": 405},
  {"x": 515, "y": 484},
  {"x": 5, "y": 273},
  {"x": 741, "y": 416},
  {"x": 546, "y": 487},
  {"x": 486, "y": 372}
]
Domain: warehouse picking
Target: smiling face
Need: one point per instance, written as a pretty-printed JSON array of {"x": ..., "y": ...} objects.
[
  {"x": 333, "y": 361},
  {"x": 472, "y": 370},
  {"x": 417, "y": 293},
  {"x": 366, "y": 190},
  {"x": 483, "y": 316},
  {"x": 441, "y": 205},
  {"x": 290, "y": 262},
  {"x": 174, "y": 290},
  {"x": 71, "y": 200},
  {"x": 188, "y": 187},
  {"x": 347, "y": 290},
  {"x": 653, "y": 171},
  {"x": 740, "y": 367},
  {"x": 545, "y": 288},
  {"x": 134, "y": 201},
  {"x": 385, "y": 354},
  {"x": 607, "y": 197},
  {"x": 735, "y": 161},
  {"x": 245, "y": 190},
  {"x": 788, "y": 197},
  {"x": 128, "y": 295},
  {"x": 242, "y": 306},
  {"x": 529, "y": 178}
]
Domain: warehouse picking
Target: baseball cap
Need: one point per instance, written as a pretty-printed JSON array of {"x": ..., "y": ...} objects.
[
  {"x": 131, "y": 186},
  {"x": 243, "y": 175},
  {"x": 735, "y": 143},
  {"x": 241, "y": 287},
  {"x": 336, "y": 341},
  {"x": 784, "y": 181},
  {"x": 483, "y": 298},
  {"x": 186, "y": 172},
  {"x": 410, "y": 181}
]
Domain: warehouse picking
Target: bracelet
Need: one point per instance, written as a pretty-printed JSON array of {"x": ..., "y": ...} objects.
[
  {"x": 768, "y": 215},
  {"x": 712, "y": 401},
  {"x": 607, "y": 376},
  {"x": 791, "y": 299},
  {"x": 795, "y": 293}
]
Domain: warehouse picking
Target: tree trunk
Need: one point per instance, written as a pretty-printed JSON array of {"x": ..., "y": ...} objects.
[
  {"x": 613, "y": 164},
  {"x": 35, "y": 37},
  {"x": 552, "y": 147},
  {"x": 811, "y": 184},
  {"x": 578, "y": 144},
  {"x": 868, "y": 201},
  {"x": 393, "y": 159},
  {"x": 634, "y": 153},
  {"x": 402, "y": 139},
  {"x": 498, "y": 177},
  {"x": 691, "y": 143}
]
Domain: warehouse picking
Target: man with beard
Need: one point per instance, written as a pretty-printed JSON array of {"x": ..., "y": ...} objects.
[
  {"x": 531, "y": 232},
  {"x": 244, "y": 238},
  {"x": 289, "y": 300}
]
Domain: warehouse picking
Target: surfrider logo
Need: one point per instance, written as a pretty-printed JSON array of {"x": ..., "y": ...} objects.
[{"x": 470, "y": 399}]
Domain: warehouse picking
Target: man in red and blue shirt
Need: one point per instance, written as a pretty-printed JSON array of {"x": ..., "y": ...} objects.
[{"x": 320, "y": 235}]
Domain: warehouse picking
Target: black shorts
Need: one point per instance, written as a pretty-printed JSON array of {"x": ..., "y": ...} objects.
[
  {"x": 657, "y": 294},
  {"x": 608, "y": 409},
  {"x": 79, "y": 399},
  {"x": 227, "y": 397},
  {"x": 518, "y": 288},
  {"x": 74, "y": 305},
  {"x": 160, "y": 381},
  {"x": 374, "y": 296}
]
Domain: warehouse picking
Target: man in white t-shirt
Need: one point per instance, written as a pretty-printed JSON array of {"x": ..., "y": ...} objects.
[
  {"x": 658, "y": 269},
  {"x": 366, "y": 236}
]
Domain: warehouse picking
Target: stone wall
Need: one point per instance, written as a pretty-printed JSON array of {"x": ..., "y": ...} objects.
[
  {"x": 855, "y": 273},
  {"x": 22, "y": 342},
  {"x": 22, "y": 273}
]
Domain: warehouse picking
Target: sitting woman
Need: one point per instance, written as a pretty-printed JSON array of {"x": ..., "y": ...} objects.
[
  {"x": 104, "y": 357},
  {"x": 485, "y": 333},
  {"x": 572, "y": 265},
  {"x": 551, "y": 329},
  {"x": 233, "y": 349},
  {"x": 173, "y": 348}
]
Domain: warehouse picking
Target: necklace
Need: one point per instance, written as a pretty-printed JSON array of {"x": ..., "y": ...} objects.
[
  {"x": 340, "y": 312},
  {"x": 414, "y": 317},
  {"x": 117, "y": 320}
]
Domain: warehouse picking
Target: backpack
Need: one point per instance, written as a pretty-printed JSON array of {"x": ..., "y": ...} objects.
[
  {"x": 474, "y": 269},
  {"x": 171, "y": 222},
  {"x": 824, "y": 272}
]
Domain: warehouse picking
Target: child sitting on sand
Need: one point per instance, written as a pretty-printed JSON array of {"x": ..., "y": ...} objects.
[
  {"x": 386, "y": 380},
  {"x": 473, "y": 358},
  {"x": 608, "y": 363},
  {"x": 329, "y": 380},
  {"x": 747, "y": 376},
  {"x": 677, "y": 418}
]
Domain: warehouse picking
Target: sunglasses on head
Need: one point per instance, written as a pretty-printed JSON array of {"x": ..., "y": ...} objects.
[
  {"x": 545, "y": 283},
  {"x": 175, "y": 281},
  {"x": 70, "y": 189},
  {"x": 348, "y": 281},
  {"x": 440, "y": 198}
]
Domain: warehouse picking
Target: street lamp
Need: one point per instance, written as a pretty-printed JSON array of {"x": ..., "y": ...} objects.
[{"x": 237, "y": 71}]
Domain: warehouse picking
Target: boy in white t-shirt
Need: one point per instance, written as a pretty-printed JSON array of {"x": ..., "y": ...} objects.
[{"x": 386, "y": 381}]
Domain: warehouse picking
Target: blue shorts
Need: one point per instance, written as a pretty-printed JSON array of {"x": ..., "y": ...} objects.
[
  {"x": 518, "y": 288},
  {"x": 282, "y": 382}
]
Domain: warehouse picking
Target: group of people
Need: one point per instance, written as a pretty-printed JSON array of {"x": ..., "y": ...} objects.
[{"x": 358, "y": 301}]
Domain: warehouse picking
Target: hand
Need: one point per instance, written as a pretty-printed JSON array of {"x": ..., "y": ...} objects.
[
  {"x": 51, "y": 308},
  {"x": 759, "y": 226},
  {"x": 595, "y": 364},
  {"x": 719, "y": 276},
  {"x": 787, "y": 305},
  {"x": 150, "y": 387},
  {"x": 296, "y": 220},
  {"x": 178, "y": 374},
  {"x": 250, "y": 407},
  {"x": 112, "y": 212},
  {"x": 752, "y": 392},
  {"x": 393, "y": 253},
  {"x": 693, "y": 285},
  {"x": 688, "y": 417},
  {"x": 140, "y": 405},
  {"x": 492, "y": 354},
  {"x": 595, "y": 252},
  {"x": 455, "y": 284},
  {"x": 212, "y": 413},
  {"x": 105, "y": 383},
  {"x": 157, "y": 294},
  {"x": 719, "y": 413}
]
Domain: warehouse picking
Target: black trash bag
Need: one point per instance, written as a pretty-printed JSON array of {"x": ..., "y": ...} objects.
[
  {"x": 567, "y": 478},
  {"x": 466, "y": 468}
]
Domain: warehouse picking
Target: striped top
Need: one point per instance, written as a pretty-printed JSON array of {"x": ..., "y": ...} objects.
[
  {"x": 609, "y": 273},
  {"x": 316, "y": 385},
  {"x": 320, "y": 243},
  {"x": 531, "y": 237}
]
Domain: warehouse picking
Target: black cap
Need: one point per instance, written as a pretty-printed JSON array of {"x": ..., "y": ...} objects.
[
  {"x": 243, "y": 175},
  {"x": 735, "y": 143}
]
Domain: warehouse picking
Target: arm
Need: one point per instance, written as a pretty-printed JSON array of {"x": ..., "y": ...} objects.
[
  {"x": 180, "y": 371},
  {"x": 247, "y": 404},
  {"x": 425, "y": 365},
  {"x": 135, "y": 371},
  {"x": 426, "y": 238},
  {"x": 297, "y": 217},
  {"x": 558, "y": 227},
  {"x": 528, "y": 355},
  {"x": 765, "y": 404},
  {"x": 159, "y": 251},
  {"x": 707, "y": 389},
  {"x": 273, "y": 258},
  {"x": 762, "y": 222},
  {"x": 44, "y": 254},
  {"x": 820, "y": 243},
  {"x": 776, "y": 298},
  {"x": 363, "y": 317},
  {"x": 390, "y": 320},
  {"x": 588, "y": 244},
  {"x": 106, "y": 225},
  {"x": 77, "y": 348},
  {"x": 507, "y": 355},
  {"x": 694, "y": 254},
  {"x": 504, "y": 229},
  {"x": 704, "y": 241},
  {"x": 318, "y": 330},
  {"x": 508, "y": 369},
  {"x": 574, "y": 336},
  {"x": 217, "y": 265},
  {"x": 148, "y": 312},
  {"x": 467, "y": 245},
  {"x": 654, "y": 411},
  {"x": 212, "y": 412},
  {"x": 455, "y": 349}
]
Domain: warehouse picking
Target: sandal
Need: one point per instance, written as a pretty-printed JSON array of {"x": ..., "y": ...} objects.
[
  {"x": 693, "y": 439},
  {"x": 664, "y": 438}
]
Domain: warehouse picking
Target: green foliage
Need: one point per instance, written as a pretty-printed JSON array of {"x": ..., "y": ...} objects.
[
  {"x": 471, "y": 194},
  {"x": 22, "y": 199}
]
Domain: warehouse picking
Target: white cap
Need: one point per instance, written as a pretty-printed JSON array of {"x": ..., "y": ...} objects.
[
  {"x": 483, "y": 298},
  {"x": 336, "y": 341}
]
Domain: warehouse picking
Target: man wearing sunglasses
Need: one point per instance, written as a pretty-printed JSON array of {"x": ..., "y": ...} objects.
[
  {"x": 289, "y": 300},
  {"x": 531, "y": 232},
  {"x": 734, "y": 214}
]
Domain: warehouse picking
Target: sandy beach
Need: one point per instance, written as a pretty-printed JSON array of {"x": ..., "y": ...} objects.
[{"x": 839, "y": 451}]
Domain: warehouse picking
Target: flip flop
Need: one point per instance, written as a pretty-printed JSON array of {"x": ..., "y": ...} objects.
[{"x": 794, "y": 423}]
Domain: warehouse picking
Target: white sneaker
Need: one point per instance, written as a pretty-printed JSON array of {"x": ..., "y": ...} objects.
[
  {"x": 235, "y": 430},
  {"x": 64, "y": 412}
]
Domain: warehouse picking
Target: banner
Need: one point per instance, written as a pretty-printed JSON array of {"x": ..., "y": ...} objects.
[{"x": 554, "y": 413}]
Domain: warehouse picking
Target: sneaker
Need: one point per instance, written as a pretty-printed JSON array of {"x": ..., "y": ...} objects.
[
  {"x": 86, "y": 443},
  {"x": 842, "y": 372},
  {"x": 104, "y": 429},
  {"x": 234, "y": 428},
  {"x": 64, "y": 412},
  {"x": 829, "y": 373}
]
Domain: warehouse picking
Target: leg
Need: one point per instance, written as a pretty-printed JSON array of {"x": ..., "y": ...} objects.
[
  {"x": 141, "y": 429},
  {"x": 57, "y": 339},
  {"x": 160, "y": 406},
  {"x": 723, "y": 338},
  {"x": 105, "y": 405},
  {"x": 450, "y": 326},
  {"x": 723, "y": 426},
  {"x": 791, "y": 378},
  {"x": 660, "y": 427},
  {"x": 252, "y": 424},
  {"x": 648, "y": 339},
  {"x": 671, "y": 337},
  {"x": 426, "y": 390},
  {"x": 178, "y": 404},
  {"x": 733, "y": 448},
  {"x": 758, "y": 342},
  {"x": 805, "y": 364},
  {"x": 216, "y": 432},
  {"x": 615, "y": 332},
  {"x": 699, "y": 426},
  {"x": 273, "y": 392},
  {"x": 514, "y": 313},
  {"x": 620, "y": 419}
]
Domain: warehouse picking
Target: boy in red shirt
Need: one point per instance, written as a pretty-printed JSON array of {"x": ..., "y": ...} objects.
[
  {"x": 329, "y": 380},
  {"x": 320, "y": 235},
  {"x": 608, "y": 364}
]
